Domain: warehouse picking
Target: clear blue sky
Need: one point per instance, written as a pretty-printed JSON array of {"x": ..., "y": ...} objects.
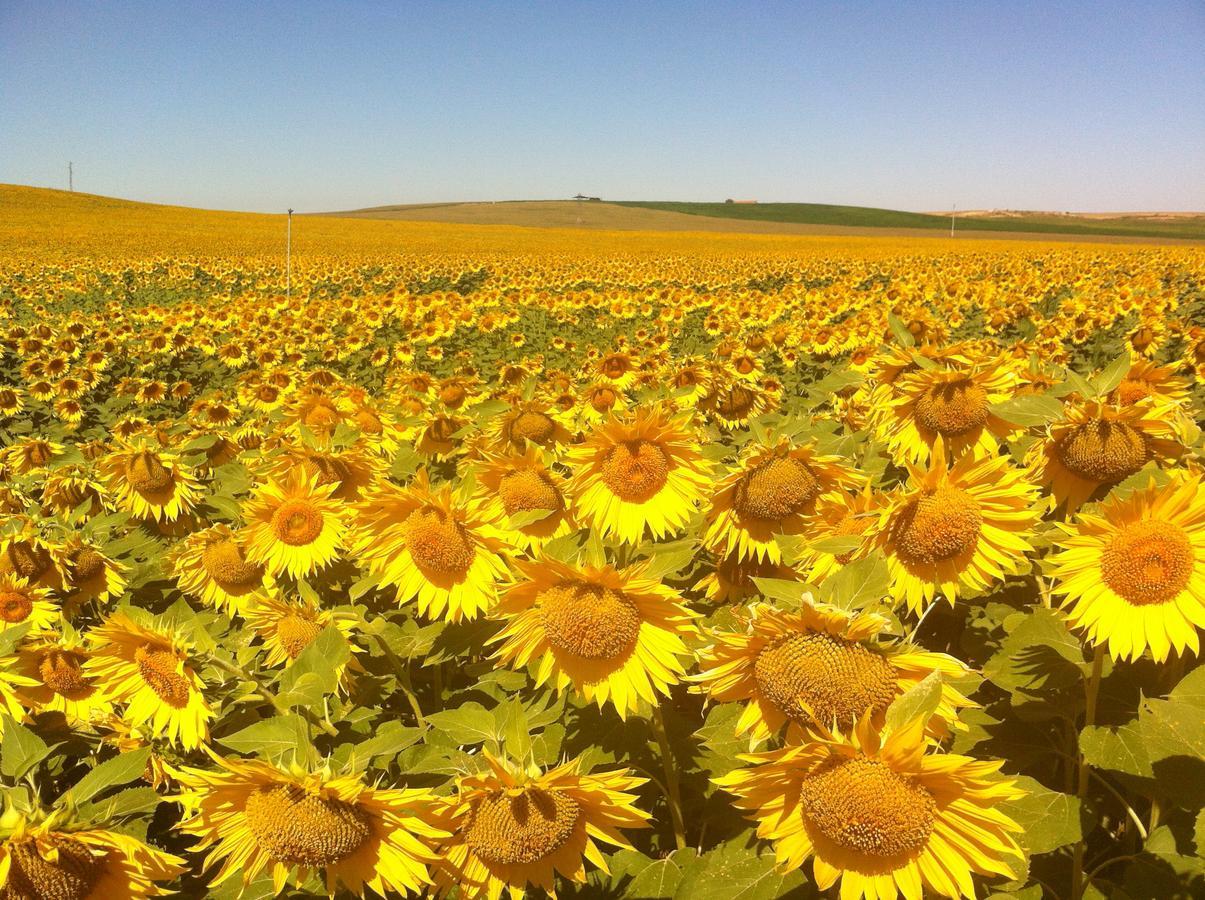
[{"x": 263, "y": 105}]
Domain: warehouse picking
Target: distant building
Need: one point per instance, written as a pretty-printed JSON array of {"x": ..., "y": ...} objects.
[{"x": 584, "y": 197}]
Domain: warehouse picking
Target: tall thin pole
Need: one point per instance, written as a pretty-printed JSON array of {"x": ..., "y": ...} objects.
[
  {"x": 954, "y": 210},
  {"x": 71, "y": 177},
  {"x": 289, "y": 257}
]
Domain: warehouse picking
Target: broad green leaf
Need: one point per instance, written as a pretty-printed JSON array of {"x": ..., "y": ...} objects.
[
  {"x": 733, "y": 871},
  {"x": 919, "y": 701},
  {"x": 1112, "y": 375},
  {"x": 837, "y": 544},
  {"x": 20, "y": 750},
  {"x": 670, "y": 559},
  {"x": 470, "y": 723},
  {"x": 1029, "y": 411},
  {"x": 525, "y": 517},
  {"x": 119, "y": 770},
  {"x": 1117, "y": 749},
  {"x": 271, "y": 738},
  {"x": 130, "y": 802},
  {"x": 790, "y": 592},
  {"x": 861, "y": 583},
  {"x": 900, "y": 331},
  {"x": 1050, "y": 819},
  {"x": 389, "y": 740},
  {"x": 662, "y": 878}
]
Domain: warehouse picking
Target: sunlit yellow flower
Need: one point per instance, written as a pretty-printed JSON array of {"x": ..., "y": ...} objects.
[
  {"x": 287, "y": 627},
  {"x": 54, "y": 664},
  {"x": 293, "y": 526},
  {"x": 1096, "y": 446},
  {"x": 839, "y": 515},
  {"x": 818, "y": 665},
  {"x": 30, "y": 454},
  {"x": 528, "y": 421},
  {"x": 251, "y": 816},
  {"x": 772, "y": 492},
  {"x": 880, "y": 814},
  {"x": 950, "y": 530},
  {"x": 513, "y": 827},
  {"x": 212, "y": 566},
  {"x": 150, "y": 483},
  {"x": 22, "y": 603},
  {"x": 147, "y": 670},
  {"x": 1133, "y": 574},
  {"x": 518, "y": 487},
  {"x": 612, "y": 636},
  {"x": 636, "y": 475},
  {"x": 430, "y": 548},
  {"x": 51, "y": 859}
]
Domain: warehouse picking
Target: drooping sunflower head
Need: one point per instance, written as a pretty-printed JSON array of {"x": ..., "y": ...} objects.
[
  {"x": 212, "y": 565},
  {"x": 1096, "y": 446},
  {"x": 351, "y": 470},
  {"x": 25, "y": 553},
  {"x": 31, "y": 454},
  {"x": 147, "y": 669},
  {"x": 150, "y": 482},
  {"x": 53, "y": 662},
  {"x": 818, "y": 667},
  {"x": 610, "y": 635},
  {"x": 294, "y": 525},
  {"x": 731, "y": 579},
  {"x": 433, "y": 548},
  {"x": 523, "y": 498},
  {"x": 1133, "y": 574},
  {"x": 951, "y": 404},
  {"x": 252, "y": 816},
  {"x": 956, "y": 529},
  {"x": 638, "y": 473},
  {"x": 772, "y": 491},
  {"x": 529, "y": 421},
  {"x": 24, "y": 603},
  {"x": 287, "y": 627},
  {"x": 513, "y": 827},
  {"x": 733, "y": 402},
  {"x": 68, "y": 488},
  {"x": 46, "y": 858},
  {"x": 879, "y": 814}
]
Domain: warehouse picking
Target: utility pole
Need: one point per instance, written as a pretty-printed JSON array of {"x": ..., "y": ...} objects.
[
  {"x": 954, "y": 210},
  {"x": 71, "y": 177},
  {"x": 289, "y": 257}
]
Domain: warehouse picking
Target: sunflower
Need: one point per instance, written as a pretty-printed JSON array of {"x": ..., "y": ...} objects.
[
  {"x": 734, "y": 404},
  {"x": 24, "y": 553},
  {"x": 70, "y": 488},
  {"x": 253, "y": 816},
  {"x": 150, "y": 483},
  {"x": 212, "y": 566},
  {"x": 820, "y": 665},
  {"x": 430, "y": 548},
  {"x": 513, "y": 827},
  {"x": 22, "y": 603},
  {"x": 49, "y": 860},
  {"x": 521, "y": 485},
  {"x": 1145, "y": 379},
  {"x": 957, "y": 529},
  {"x": 611, "y": 635},
  {"x": 951, "y": 404},
  {"x": 528, "y": 421},
  {"x": 839, "y": 515},
  {"x": 600, "y": 401},
  {"x": 31, "y": 454},
  {"x": 732, "y": 578},
  {"x": 618, "y": 370},
  {"x": 879, "y": 814},
  {"x": 147, "y": 670},
  {"x": 1096, "y": 446},
  {"x": 352, "y": 470},
  {"x": 288, "y": 627},
  {"x": 293, "y": 525},
  {"x": 1133, "y": 574},
  {"x": 640, "y": 473},
  {"x": 54, "y": 664},
  {"x": 91, "y": 574},
  {"x": 772, "y": 492}
]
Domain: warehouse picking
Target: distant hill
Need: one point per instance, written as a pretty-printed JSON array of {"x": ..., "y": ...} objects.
[{"x": 1189, "y": 226}]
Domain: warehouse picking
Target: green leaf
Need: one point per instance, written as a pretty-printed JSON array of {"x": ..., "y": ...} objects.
[
  {"x": 130, "y": 802},
  {"x": 1029, "y": 411},
  {"x": 920, "y": 700},
  {"x": 314, "y": 673},
  {"x": 661, "y": 879},
  {"x": 856, "y": 585},
  {"x": 390, "y": 740},
  {"x": 670, "y": 559},
  {"x": 1050, "y": 820},
  {"x": 734, "y": 872},
  {"x": 1117, "y": 749},
  {"x": 271, "y": 738},
  {"x": 791, "y": 592},
  {"x": 470, "y": 723},
  {"x": 900, "y": 331},
  {"x": 838, "y": 544},
  {"x": 1112, "y": 375},
  {"x": 525, "y": 517},
  {"x": 20, "y": 750},
  {"x": 119, "y": 770}
]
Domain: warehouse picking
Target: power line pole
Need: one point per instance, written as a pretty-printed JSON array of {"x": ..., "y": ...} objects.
[
  {"x": 289, "y": 257},
  {"x": 954, "y": 210},
  {"x": 71, "y": 177}
]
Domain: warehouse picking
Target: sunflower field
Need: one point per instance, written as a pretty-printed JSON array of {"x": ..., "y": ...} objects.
[{"x": 643, "y": 568}]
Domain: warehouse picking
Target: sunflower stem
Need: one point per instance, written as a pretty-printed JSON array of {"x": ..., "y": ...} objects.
[
  {"x": 673, "y": 794},
  {"x": 1091, "y": 693},
  {"x": 402, "y": 669}
]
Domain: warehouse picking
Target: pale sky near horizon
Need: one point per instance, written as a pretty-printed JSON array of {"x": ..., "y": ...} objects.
[{"x": 322, "y": 106}]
